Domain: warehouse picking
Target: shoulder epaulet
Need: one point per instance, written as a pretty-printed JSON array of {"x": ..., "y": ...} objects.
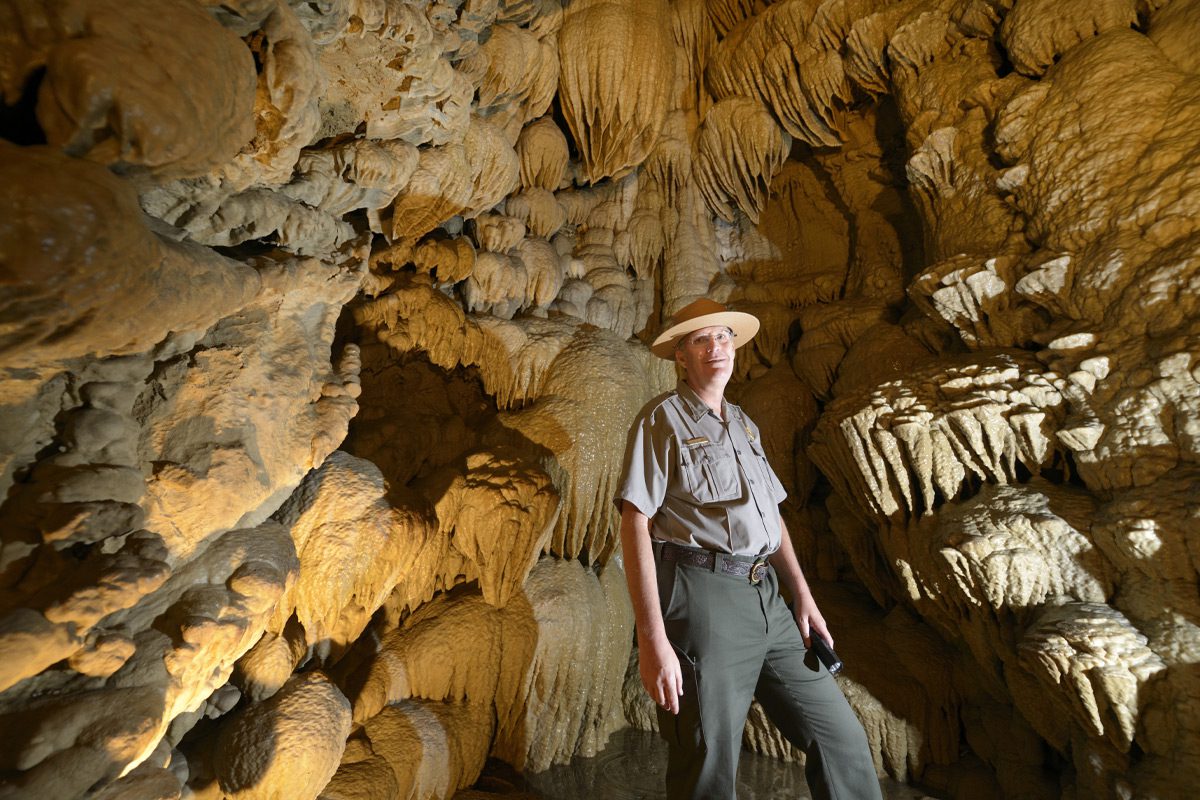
[{"x": 655, "y": 403}]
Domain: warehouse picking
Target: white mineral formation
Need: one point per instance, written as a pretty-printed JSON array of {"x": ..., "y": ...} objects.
[
  {"x": 142, "y": 85},
  {"x": 741, "y": 148},
  {"x": 499, "y": 516},
  {"x": 616, "y": 62},
  {"x": 517, "y": 668},
  {"x": 287, "y": 746},
  {"x": 353, "y": 545}
]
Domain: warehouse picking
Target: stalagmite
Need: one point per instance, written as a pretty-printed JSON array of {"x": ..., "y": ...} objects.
[
  {"x": 567, "y": 657},
  {"x": 404, "y": 732},
  {"x": 507, "y": 664}
]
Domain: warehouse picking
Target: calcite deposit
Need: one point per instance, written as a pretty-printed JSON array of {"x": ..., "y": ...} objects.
[{"x": 322, "y": 324}]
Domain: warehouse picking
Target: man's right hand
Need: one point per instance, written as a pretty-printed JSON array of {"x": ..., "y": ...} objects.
[
  {"x": 657, "y": 662},
  {"x": 661, "y": 676}
]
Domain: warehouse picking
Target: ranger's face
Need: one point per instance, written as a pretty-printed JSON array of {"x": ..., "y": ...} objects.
[{"x": 707, "y": 353}]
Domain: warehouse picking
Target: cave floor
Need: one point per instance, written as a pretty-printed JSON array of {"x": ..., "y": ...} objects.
[{"x": 631, "y": 767}]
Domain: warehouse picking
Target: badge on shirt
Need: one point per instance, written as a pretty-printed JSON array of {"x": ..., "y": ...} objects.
[
  {"x": 746, "y": 426},
  {"x": 696, "y": 441}
]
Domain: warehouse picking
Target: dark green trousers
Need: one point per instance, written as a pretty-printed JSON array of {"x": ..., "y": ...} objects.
[{"x": 736, "y": 641}]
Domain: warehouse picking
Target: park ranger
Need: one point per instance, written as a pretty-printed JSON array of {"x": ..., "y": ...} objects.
[{"x": 705, "y": 552}]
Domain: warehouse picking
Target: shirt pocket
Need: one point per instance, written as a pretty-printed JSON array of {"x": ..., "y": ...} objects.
[
  {"x": 765, "y": 476},
  {"x": 710, "y": 476}
]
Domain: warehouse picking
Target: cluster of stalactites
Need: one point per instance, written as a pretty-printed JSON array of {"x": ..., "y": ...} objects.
[
  {"x": 903, "y": 448},
  {"x": 617, "y": 70}
]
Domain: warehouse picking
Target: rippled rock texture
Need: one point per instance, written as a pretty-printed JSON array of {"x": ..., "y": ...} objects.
[{"x": 321, "y": 325}]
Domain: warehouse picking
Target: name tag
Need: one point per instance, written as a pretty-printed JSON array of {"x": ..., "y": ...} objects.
[{"x": 695, "y": 441}]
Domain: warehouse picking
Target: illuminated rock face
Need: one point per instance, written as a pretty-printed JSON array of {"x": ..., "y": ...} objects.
[{"x": 322, "y": 324}]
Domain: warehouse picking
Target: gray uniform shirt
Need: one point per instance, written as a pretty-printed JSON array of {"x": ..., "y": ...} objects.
[{"x": 703, "y": 481}]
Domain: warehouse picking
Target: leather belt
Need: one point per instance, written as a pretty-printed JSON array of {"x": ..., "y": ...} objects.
[{"x": 722, "y": 563}]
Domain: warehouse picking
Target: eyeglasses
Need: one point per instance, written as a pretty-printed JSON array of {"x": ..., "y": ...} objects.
[{"x": 702, "y": 341}]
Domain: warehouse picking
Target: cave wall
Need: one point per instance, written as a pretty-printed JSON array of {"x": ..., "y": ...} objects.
[{"x": 321, "y": 325}]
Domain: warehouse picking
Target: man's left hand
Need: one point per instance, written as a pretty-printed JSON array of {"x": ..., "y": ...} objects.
[{"x": 808, "y": 618}]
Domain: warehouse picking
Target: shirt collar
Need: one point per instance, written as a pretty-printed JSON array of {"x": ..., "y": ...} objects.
[{"x": 692, "y": 402}]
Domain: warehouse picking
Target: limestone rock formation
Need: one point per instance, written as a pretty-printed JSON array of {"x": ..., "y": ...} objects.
[
  {"x": 353, "y": 547},
  {"x": 321, "y": 326},
  {"x": 287, "y": 745},
  {"x": 729, "y": 176},
  {"x": 615, "y": 108},
  {"x": 160, "y": 87},
  {"x": 518, "y": 668}
]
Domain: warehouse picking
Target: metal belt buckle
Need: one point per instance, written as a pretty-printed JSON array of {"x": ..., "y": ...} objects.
[{"x": 758, "y": 571}]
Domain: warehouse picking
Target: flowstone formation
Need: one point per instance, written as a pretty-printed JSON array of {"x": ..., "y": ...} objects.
[{"x": 322, "y": 325}]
